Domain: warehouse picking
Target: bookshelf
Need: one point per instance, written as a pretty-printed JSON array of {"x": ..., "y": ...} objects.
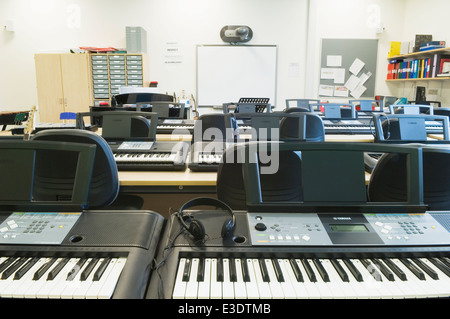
[{"x": 400, "y": 67}]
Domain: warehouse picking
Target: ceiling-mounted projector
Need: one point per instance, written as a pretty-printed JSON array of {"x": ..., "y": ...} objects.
[{"x": 236, "y": 33}]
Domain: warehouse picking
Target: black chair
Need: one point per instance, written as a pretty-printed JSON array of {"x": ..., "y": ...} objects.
[
  {"x": 388, "y": 179},
  {"x": 285, "y": 185},
  {"x": 289, "y": 126},
  {"x": 223, "y": 125},
  {"x": 135, "y": 98},
  {"x": 104, "y": 190}
]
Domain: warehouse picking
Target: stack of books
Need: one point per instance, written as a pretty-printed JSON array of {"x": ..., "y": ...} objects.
[{"x": 433, "y": 45}]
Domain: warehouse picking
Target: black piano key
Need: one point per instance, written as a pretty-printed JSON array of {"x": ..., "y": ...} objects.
[
  {"x": 220, "y": 270},
  {"x": 6, "y": 263},
  {"x": 13, "y": 267},
  {"x": 309, "y": 270},
  {"x": 201, "y": 270},
  {"x": 355, "y": 272},
  {"x": 74, "y": 271},
  {"x": 384, "y": 270},
  {"x": 323, "y": 273},
  {"x": 426, "y": 268},
  {"x": 296, "y": 270},
  {"x": 278, "y": 272},
  {"x": 372, "y": 269},
  {"x": 245, "y": 273},
  {"x": 101, "y": 269},
  {"x": 264, "y": 272},
  {"x": 87, "y": 271},
  {"x": 55, "y": 271},
  {"x": 43, "y": 269},
  {"x": 441, "y": 266},
  {"x": 445, "y": 260},
  {"x": 233, "y": 274},
  {"x": 400, "y": 274},
  {"x": 187, "y": 270},
  {"x": 341, "y": 271},
  {"x": 416, "y": 271},
  {"x": 25, "y": 268}
]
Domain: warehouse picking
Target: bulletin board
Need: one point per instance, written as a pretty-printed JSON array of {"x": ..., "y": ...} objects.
[
  {"x": 225, "y": 73},
  {"x": 348, "y": 68}
]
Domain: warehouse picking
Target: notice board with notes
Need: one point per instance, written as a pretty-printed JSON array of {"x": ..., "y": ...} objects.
[{"x": 348, "y": 68}]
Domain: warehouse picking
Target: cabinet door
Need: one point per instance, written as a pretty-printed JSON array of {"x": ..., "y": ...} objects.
[
  {"x": 49, "y": 86},
  {"x": 76, "y": 82}
]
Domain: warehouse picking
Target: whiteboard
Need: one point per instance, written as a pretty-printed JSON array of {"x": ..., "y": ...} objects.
[{"x": 225, "y": 73}]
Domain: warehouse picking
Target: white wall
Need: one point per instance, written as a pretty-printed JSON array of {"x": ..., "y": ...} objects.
[{"x": 43, "y": 25}]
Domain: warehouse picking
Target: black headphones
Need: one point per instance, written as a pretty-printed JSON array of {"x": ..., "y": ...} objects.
[{"x": 196, "y": 227}]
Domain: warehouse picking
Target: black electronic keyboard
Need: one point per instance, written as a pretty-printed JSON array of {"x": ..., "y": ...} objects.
[
  {"x": 206, "y": 155},
  {"x": 175, "y": 126},
  {"x": 149, "y": 155},
  {"x": 106, "y": 254},
  {"x": 307, "y": 256}
]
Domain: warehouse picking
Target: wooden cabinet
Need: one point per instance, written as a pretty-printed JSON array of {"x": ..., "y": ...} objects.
[{"x": 63, "y": 84}]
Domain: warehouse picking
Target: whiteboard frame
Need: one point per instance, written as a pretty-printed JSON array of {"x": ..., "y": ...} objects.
[{"x": 219, "y": 90}]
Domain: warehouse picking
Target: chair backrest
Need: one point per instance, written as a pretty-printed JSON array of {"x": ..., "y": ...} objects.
[
  {"x": 304, "y": 103},
  {"x": 315, "y": 130},
  {"x": 215, "y": 126},
  {"x": 105, "y": 178},
  {"x": 284, "y": 185},
  {"x": 411, "y": 109},
  {"x": 134, "y": 98},
  {"x": 387, "y": 181},
  {"x": 368, "y": 105},
  {"x": 336, "y": 111},
  {"x": 396, "y": 128}
]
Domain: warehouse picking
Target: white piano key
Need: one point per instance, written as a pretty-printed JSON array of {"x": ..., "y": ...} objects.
[
  {"x": 391, "y": 286},
  {"x": 311, "y": 287},
  {"x": 412, "y": 285},
  {"x": 95, "y": 288},
  {"x": 292, "y": 288},
  {"x": 274, "y": 285},
  {"x": 340, "y": 288},
  {"x": 252, "y": 286},
  {"x": 227, "y": 285},
  {"x": 192, "y": 284},
  {"x": 35, "y": 285},
  {"x": 179, "y": 289},
  {"x": 110, "y": 282},
  {"x": 72, "y": 285},
  {"x": 19, "y": 291},
  {"x": 240, "y": 289},
  {"x": 7, "y": 286},
  {"x": 357, "y": 286},
  {"x": 322, "y": 286},
  {"x": 216, "y": 286},
  {"x": 369, "y": 284},
  {"x": 204, "y": 286},
  {"x": 444, "y": 280},
  {"x": 440, "y": 285},
  {"x": 263, "y": 287},
  {"x": 57, "y": 285},
  {"x": 85, "y": 285}
]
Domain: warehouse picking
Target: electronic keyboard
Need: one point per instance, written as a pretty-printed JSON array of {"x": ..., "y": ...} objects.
[
  {"x": 307, "y": 255},
  {"x": 102, "y": 254},
  {"x": 206, "y": 155},
  {"x": 149, "y": 155},
  {"x": 174, "y": 126}
]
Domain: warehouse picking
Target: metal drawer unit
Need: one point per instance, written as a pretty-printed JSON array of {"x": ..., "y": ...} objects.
[{"x": 111, "y": 71}]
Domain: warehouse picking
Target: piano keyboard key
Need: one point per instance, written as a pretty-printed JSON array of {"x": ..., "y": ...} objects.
[
  {"x": 47, "y": 277},
  {"x": 145, "y": 157},
  {"x": 313, "y": 278}
]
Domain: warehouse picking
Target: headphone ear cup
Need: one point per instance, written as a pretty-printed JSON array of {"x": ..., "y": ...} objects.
[
  {"x": 197, "y": 230},
  {"x": 227, "y": 227}
]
